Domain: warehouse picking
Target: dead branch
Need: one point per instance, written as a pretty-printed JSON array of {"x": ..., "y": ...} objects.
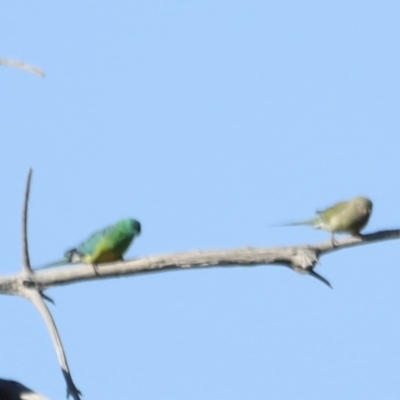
[
  {"x": 27, "y": 287},
  {"x": 300, "y": 258},
  {"x": 21, "y": 65}
]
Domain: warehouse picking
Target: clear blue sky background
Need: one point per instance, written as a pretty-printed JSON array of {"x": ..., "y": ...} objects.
[{"x": 209, "y": 121}]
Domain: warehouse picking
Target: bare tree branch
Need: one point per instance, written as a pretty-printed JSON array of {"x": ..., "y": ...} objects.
[
  {"x": 30, "y": 283},
  {"x": 12, "y": 390},
  {"x": 26, "y": 265},
  {"x": 21, "y": 65},
  {"x": 300, "y": 258},
  {"x": 27, "y": 286}
]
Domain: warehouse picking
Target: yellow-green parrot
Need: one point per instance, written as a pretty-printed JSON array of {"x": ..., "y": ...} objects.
[{"x": 349, "y": 216}]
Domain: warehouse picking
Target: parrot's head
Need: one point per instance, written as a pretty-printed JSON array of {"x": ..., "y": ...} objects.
[
  {"x": 134, "y": 226},
  {"x": 364, "y": 204}
]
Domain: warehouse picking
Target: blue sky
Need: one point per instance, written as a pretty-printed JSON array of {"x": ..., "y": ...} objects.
[{"x": 209, "y": 121}]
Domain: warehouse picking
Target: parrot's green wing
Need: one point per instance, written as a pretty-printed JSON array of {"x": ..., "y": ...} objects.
[
  {"x": 89, "y": 245},
  {"x": 336, "y": 210}
]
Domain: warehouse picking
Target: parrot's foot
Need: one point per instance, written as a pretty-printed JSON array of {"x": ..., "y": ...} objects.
[{"x": 96, "y": 269}]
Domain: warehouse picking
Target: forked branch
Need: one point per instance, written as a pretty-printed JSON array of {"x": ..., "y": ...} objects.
[
  {"x": 30, "y": 283},
  {"x": 26, "y": 285}
]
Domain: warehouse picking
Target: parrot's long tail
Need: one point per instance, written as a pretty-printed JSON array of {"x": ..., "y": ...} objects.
[
  {"x": 312, "y": 222},
  {"x": 64, "y": 261}
]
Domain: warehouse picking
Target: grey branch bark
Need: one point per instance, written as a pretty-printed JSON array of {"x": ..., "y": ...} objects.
[
  {"x": 26, "y": 264},
  {"x": 21, "y": 65}
]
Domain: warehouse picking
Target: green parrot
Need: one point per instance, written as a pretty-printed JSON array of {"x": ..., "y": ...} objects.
[
  {"x": 349, "y": 216},
  {"x": 106, "y": 245}
]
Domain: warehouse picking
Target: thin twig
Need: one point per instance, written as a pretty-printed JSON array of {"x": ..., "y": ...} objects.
[
  {"x": 38, "y": 302},
  {"x": 21, "y": 65},
  {"x": 26, "y": 265}
]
